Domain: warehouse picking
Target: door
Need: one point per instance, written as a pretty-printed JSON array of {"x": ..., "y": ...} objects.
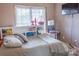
[
  {"x": 75, "y": 29},
  {"x": 67, "y": 25}
]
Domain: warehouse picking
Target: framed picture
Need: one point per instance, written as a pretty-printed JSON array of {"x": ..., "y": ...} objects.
[{"x": 7, "y": 31}]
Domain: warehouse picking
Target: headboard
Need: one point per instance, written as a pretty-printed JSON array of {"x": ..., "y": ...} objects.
[
  {"x": 20, "y": 29},
  {"x": 17, "y": 29},
  {"x": 14, "y": 29}
]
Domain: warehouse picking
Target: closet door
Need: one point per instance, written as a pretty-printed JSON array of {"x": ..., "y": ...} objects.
[
  {"x": 67, "y": 24},
  {"x": 75, "y": 29}
]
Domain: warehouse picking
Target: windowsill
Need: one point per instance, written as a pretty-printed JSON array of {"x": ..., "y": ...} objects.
[{"x": 25, "y": 26}]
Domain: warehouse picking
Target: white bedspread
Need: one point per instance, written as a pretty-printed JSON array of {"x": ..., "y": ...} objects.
[
  {"x": 56, "y": 47},
  {"x": 37, "y": 46}
]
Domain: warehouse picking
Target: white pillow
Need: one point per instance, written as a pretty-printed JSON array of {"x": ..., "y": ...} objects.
[
  {"x": 25, "y": 39},
  {"x": 11, "y": 41}
]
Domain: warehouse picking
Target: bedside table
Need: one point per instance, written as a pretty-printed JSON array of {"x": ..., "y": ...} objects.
[
  {"x": 54, "y": 34},
  {"x": 1, "y": 42}
]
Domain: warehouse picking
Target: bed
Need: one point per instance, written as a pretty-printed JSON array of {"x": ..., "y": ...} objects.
[
  {"x": 32, "y": 48},
  {"x": 42, "y": 45},
  {"x": 56, "y": 47}
]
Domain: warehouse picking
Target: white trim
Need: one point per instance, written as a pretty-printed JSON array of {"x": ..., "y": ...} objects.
[{"x": 23, "y": 6}]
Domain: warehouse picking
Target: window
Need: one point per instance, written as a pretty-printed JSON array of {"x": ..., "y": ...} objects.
[
  {"x": 51, "y": 25},
  {"x": 25, "y": 15},
  {"x": 39, "y": 14}
]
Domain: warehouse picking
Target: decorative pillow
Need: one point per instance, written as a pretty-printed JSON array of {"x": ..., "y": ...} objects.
[
  {"x": 22, "y": 37},
  {"x": 11, "y": 41},
  {"x": 30, "y": 33}
]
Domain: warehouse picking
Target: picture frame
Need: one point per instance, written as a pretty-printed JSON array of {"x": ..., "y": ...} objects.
[{"x": 6, "y": 31}]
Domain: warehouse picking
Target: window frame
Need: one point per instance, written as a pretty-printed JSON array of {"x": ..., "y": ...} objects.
[
  {"x": 29, "y": 7},
  {"x": 32, "y": 7}
]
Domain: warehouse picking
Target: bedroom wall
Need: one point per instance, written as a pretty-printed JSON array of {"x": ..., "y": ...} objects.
[
  {"x": 7, "y": 12},
  {"x": 63, "y": 24},
  {"x": 68, "y": 25}
]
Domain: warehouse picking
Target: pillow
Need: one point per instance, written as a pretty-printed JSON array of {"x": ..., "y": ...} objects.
[
  {"x": 17, "y": 36},
  {"x": 11, "y": 41},
  {"x": 22, "y": 36},
  {"x": 30, "y": 33}
]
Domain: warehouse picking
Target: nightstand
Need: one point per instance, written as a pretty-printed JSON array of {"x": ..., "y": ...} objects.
[
  {"x": 54, "y": 34},
  {"x": 1, "y": 42}
]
